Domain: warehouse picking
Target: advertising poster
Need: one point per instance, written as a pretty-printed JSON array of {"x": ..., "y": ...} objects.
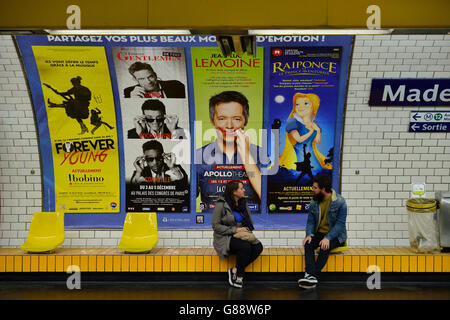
[
  {"x": 303, "y": 104},
  {"x": 79, "y": 105},
  {"x": 152, "y": 85},
  {"x": 161, "y": 123},
  {"x": 228, "y": 95}
]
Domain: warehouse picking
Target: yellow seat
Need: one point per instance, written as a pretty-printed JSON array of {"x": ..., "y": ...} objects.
[
  {"x": 337, "y": 249},
  {"x": 340, "y": 249},
  {"x": 140, "y": 232},
  {"x": 46, "y": 232}
]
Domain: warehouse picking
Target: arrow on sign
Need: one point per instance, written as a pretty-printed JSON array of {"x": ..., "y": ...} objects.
[
  {"x": 415, "y": 126},
  {"x": 416, "y": 116}
]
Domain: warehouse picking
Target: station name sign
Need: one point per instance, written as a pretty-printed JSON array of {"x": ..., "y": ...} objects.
[{"x": 410, "y": 92}]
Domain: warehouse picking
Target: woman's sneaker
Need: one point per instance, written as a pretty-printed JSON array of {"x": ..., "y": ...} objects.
[
  {"x": 308, "y": 282},
  {"x": 231, "y": 277},
  {"x": 233, "y": 280},
  {"x": 238, "y": 283}
]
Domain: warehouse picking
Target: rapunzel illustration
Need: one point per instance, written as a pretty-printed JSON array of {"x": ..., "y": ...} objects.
[{"x": 302, "y": 129}]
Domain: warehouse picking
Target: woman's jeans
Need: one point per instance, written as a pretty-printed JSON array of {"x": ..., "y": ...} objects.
[
  {"x": 245, "y": 252},
  {"x": 313, "y": 267}
]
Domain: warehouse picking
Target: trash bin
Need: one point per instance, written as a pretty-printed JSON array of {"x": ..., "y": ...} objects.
[
  {"x": 443, "y": 202},
  {"x": 423, "y": 228}
]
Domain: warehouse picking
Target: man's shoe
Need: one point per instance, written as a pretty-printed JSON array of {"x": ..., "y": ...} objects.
[{"x": 308, "y": 282}]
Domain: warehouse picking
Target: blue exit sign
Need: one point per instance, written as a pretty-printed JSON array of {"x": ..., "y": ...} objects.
[{"x": 429, "y": 121}]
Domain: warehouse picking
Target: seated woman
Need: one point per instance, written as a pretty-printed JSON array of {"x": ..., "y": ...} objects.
[{"x": 231, "y": 216}]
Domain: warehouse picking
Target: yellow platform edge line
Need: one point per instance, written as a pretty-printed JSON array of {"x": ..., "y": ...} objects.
[{"x": 212, "y": 263}]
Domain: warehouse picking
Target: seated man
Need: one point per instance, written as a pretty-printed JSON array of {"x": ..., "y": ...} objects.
[
  {"x": 325, "y": 228},
  {"x": 149, "y": 86}
]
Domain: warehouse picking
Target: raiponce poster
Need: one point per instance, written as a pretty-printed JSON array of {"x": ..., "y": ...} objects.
[{"x": 303, "y": 106}]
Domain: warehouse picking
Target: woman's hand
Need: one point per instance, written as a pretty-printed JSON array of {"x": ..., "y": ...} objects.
[{"x": 315, "y": 127}]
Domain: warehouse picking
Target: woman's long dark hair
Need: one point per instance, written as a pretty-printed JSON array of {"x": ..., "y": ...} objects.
[
  {"x": 230, "y": 188},
  {"x": 241, "y": 207}
]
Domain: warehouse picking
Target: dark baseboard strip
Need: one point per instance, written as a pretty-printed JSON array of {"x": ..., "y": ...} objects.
[{"x": 176, "y": 277}]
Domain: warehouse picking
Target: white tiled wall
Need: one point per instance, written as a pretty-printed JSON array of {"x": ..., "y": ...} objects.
[{"x": 380, "y": 157}]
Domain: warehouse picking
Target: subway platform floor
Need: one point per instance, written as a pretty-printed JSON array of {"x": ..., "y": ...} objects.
[
  {"x": 218, "y": 290},
  {"x": 217, "y": 300}
]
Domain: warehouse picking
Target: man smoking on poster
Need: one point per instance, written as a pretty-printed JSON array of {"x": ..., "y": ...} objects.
[{"x": 150, "y": 86}]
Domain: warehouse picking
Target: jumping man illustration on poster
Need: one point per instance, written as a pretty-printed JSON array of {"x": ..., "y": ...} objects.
[{"x": 77, "y": 107}]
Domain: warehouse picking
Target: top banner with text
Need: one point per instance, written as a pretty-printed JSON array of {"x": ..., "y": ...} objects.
[{"x": 161, "y": 123}]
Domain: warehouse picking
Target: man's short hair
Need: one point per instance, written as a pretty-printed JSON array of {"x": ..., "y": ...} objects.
[
  {"x": 153, "y": 145},
  {"x": 324, "y": 181},
  {"x": 229, "y": 96},
  {"x": 138, "y": 66},
  {"x": 153, "y": 105}
]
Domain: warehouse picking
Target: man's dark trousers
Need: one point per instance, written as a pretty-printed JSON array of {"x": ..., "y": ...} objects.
[{"x": 313, "y": 267}]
